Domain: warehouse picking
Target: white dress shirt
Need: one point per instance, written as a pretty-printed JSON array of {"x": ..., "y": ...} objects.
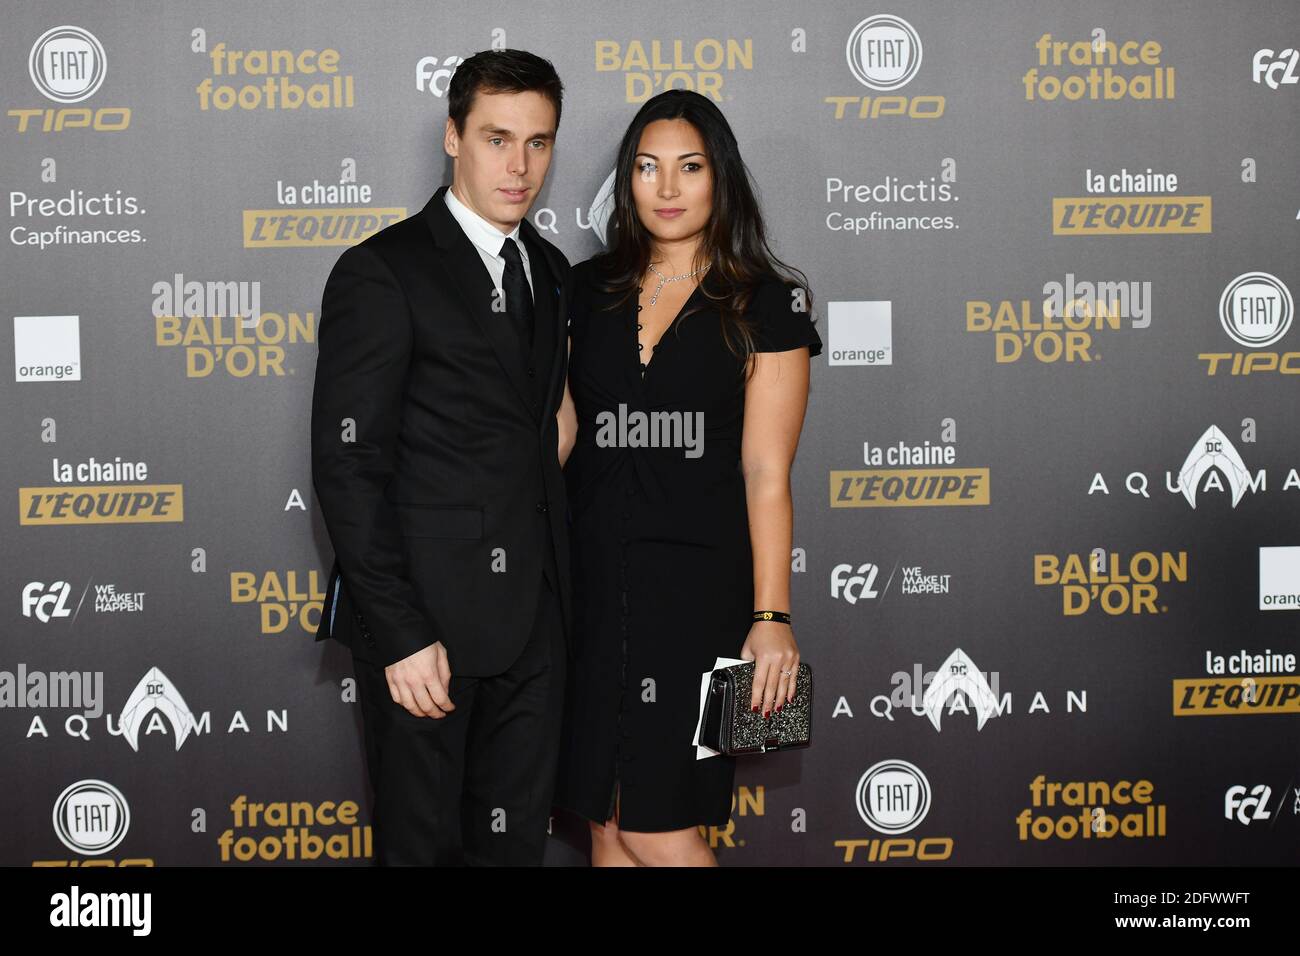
[{"x": 488, "y": 240}]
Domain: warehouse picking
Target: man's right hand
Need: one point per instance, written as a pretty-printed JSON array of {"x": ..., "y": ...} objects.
[{"x": 420, "y": 682}]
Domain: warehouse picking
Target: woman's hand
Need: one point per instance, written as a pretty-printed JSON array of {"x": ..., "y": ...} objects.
[{"x": 771, "y": 646}]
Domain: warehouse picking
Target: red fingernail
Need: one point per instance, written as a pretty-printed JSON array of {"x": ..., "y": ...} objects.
[
  {"x": 765, "y": 714},
  {"x": 754, "y": 708},
  {"x": 778, "y": 708}
]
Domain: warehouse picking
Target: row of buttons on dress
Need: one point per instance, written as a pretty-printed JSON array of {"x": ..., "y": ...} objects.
[{"x": 639, "y": 346}]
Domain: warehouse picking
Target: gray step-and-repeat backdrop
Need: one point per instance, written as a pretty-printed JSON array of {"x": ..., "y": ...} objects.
[{"x": 1047, "y": 547}]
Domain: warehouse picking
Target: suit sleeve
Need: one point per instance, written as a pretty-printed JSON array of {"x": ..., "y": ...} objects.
[{"x": 364, "y": 347}]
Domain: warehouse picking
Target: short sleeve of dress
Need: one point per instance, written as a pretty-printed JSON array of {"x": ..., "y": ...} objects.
[{"x": 779, "y": 324}]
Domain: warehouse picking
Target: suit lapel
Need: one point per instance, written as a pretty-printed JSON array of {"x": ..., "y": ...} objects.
[{"x": 464, "y": 268}]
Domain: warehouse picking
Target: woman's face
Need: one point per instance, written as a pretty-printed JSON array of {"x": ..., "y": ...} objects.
[{"x": 672, "y": 182}]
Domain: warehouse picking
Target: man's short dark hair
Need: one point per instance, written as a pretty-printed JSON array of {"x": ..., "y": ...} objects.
[{"x": 501, "y": 71}]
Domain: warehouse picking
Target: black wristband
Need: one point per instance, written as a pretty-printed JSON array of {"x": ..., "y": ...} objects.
[{"x": 780, "y": 616}]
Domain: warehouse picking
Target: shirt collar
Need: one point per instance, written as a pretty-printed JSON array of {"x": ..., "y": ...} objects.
[{"x": 481, "y": 232}]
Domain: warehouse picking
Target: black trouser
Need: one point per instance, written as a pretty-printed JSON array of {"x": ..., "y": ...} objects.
[{"x": 474, "y": 787}]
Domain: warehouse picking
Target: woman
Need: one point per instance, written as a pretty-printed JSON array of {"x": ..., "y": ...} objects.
[{"x": 681, "y": 524}]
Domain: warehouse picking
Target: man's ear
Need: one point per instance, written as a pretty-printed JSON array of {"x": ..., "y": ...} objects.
[{"x": 450, "y": 139}]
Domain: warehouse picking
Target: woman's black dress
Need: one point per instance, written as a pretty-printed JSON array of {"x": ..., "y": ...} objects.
[{"x": 662, "y": 567}]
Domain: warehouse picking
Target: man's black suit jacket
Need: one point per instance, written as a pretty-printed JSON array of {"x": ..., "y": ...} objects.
[{"x": 433, "y": 441}]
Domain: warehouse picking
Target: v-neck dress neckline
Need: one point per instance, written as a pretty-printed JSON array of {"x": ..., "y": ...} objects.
[{"x": 654, "y": 349}]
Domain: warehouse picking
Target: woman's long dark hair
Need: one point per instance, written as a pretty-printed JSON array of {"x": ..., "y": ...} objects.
[{"x": 734, "y": 245}]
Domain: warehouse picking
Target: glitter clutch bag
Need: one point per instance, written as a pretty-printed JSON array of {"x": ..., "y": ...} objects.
[{"x": 731, "y": 728}]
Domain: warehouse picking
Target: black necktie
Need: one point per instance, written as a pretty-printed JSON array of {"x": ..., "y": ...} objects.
[{"x": 519, "y": 296}]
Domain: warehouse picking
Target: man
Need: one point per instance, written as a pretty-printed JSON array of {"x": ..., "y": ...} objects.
[{"x": 442, "y": 354}]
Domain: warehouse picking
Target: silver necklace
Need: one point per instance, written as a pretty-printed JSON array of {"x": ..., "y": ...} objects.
[{"x": 663, "y": 278}]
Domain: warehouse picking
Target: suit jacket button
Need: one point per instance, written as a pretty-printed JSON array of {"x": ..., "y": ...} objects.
[
  {"x": 541, "y": 507},
  {"x": 532, "y": 372}
]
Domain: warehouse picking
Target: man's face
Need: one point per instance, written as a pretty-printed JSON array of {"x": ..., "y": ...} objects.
[{"x": 502, "y": 158}]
